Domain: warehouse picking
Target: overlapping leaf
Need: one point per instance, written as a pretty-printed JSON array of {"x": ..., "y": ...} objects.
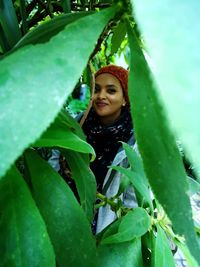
[
  {"x": 133, "y": 225},
  {"x": 66, "y": 222},
  {"x": 119, "y": 255},
  {"x": 172, "y": 33},
  {"x": 24, "y": 240},
  {"x": 161, "y": 158},
  {"x": 65, "y": 133},
  {"x": 45, "y": 31},
  {"x": 84, "y": 179},
  {"x": 35, "y": 81},
  {"x": 118, "y": 36}
]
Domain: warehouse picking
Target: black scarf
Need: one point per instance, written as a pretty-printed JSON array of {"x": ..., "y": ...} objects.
[{"x": 105, "y": 140}]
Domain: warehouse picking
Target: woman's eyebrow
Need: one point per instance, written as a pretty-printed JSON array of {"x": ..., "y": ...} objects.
[
  {"x": 111, "y": 86},
  {"x": 98, "y": 85}
]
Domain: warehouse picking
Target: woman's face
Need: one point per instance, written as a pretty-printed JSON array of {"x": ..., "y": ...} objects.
[{"x": 108, "y": 98}]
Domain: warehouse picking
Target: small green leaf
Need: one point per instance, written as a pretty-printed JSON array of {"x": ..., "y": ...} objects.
[
  {"x": 118, "y": 36},
  {"x": 127, "y": 254},
  {"x": 134, "y": 224},
  {"x": 138, "y": 177},
  {"x": 84, "y": 179},
  {"x": 161, "y": 158},
  {"x": 162, "y": 254},
  {"x": 38, "y": 90},
  {"x": 62, "y": 134},
  {"x": 137, "y": 181},
  {"x": 66, "y": 222},
  {"x": 24, "y": 240}
]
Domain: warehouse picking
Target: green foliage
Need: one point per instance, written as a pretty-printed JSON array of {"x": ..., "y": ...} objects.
[
  {"x": 133, "y": 225},
  {"x": 170, "y": 171},
  {"x": 24, "y": 240},
  {"x": 173, "y": 43},
  {"x": 40, "y": 91},
  {"x": 66, "y": 222},
  {"x": 44, "y": 54},
  {"x": 161, "y": 250}
]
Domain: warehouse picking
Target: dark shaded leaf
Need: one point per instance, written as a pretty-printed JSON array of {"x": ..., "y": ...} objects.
[
  {"x": 66, "y": 222},
  {"x": 9, "y": 23},
  {"x": 24, "y": 240},
  {"x": 66, "y": 5}
]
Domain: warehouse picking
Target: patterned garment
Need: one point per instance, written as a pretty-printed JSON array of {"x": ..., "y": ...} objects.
[{"x": 105, "y": 140}]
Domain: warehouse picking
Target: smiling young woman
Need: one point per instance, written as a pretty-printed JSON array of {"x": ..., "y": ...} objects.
[
  {"x": 109, "y": 122},
  {"x": 108, "y": 98}
]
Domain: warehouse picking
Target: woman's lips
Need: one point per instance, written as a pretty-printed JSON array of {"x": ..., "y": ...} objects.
[{"x": 101, "y": 104}]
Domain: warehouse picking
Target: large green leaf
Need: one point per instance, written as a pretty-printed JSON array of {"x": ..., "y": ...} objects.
[
  {"x": 24, "y": 240},
  {"x": 134, "y": 224},
  {"x": 162, "y": 255},
  {"x": 172, "y": 33},
  {"x": 32, "y": 94},
  {"x": 161, "y": 158},
  {"x": 120, "y": 255},
  {"x": 84, "y": 179},
  {"x": 9, "y": 23},
  {"x": 66, "y": 222},
  {"x": 62, "y": 133},
  {"x": 45, "y": 31}
]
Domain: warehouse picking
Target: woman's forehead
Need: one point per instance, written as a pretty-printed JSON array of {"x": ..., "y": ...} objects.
[{"x": 107, "y": 79}]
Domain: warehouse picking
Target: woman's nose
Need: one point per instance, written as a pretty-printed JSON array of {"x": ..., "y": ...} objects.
[{"x": 101, "y": 94}]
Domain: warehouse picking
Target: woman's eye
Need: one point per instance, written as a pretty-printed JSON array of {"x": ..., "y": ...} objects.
[
  {"x": 111, "y": 91},
  {"x": 97, "y": 89}
]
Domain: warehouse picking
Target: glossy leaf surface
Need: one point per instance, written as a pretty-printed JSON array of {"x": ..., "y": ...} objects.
[
  {"x": 24, "y": 240},
  {"x": 66, "y": 222},
  {"x": 37, "y": 91},
  {"x": 161, "y": 159}
]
